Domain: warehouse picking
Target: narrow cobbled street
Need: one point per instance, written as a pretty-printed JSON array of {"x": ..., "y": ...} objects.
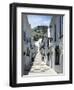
[{"x": 40, "y": 68}]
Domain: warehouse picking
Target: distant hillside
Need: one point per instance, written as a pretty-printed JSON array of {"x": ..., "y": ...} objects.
[{"x": 39, "y": 32}]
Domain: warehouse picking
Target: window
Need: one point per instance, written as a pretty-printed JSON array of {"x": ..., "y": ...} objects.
[{"x": 61, "y": 27}]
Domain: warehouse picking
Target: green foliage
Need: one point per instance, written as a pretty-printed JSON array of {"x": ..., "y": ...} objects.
[{"x": 38, "y": 32}]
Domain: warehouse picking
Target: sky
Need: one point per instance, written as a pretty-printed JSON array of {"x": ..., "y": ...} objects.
[{"x": 36, "y": 20}]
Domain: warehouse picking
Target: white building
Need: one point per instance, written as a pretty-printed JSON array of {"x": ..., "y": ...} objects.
[
  {"x": 56, "y": 44},
  {"x": 27, "y": 44}
]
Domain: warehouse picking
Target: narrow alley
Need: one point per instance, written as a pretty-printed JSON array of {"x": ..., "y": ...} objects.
[{"x": 39, "y": 67}]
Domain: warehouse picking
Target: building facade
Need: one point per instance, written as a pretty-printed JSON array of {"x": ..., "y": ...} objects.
[
  {"x": 56, "y": 44},
  {"x": 29, "y": 48}
]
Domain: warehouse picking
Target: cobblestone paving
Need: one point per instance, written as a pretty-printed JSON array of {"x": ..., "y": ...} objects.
[{"x": 39, "y": 67}]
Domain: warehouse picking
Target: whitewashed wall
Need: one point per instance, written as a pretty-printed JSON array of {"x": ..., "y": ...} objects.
[{"x": 56, "y": 21}]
